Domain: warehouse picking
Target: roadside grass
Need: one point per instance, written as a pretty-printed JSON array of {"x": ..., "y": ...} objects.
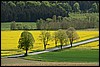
[
  {"x": 88, "y": 52},
  {"x": 67, "y": 55},
  {"x": 12, "y": 52}
]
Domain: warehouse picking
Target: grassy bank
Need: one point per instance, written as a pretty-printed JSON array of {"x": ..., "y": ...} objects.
[{"x": 68, "y": 55}]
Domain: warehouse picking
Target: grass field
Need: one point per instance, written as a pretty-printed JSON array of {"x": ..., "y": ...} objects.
[
  {"x": 67, "y": 55},
  {"x": 6, "y": 25},
  {"x": 9, "y": 41},
  {"x": 83, "y": 53}
]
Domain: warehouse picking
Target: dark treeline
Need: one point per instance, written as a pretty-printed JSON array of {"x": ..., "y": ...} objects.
[{"x": 33, "y": 10}]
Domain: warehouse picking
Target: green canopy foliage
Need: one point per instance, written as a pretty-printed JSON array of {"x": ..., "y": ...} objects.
[{"x": 26, "y": 41}]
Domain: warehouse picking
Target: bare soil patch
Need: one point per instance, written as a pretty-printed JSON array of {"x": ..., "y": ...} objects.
[{"x": 22, "y": 62}]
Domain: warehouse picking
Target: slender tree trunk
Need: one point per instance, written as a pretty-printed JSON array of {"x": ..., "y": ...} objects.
[
  {"x": 56, "y": 43},
  {"x": 44, "y": 46},
  {"x": 61, "y": 44},
  {"x": 26, "y": 53},
  {"x": 71, "y": 41}
]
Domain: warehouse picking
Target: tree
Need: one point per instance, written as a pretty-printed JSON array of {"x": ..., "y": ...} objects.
[
  {"x": 98, "y": 7},
  {"x": 62, "y": 37},
  {"x": 40, "y": 24},
  {"x": 13, "y": 25},
  {"x": 26, "y": 27},
  {"x": 94, "y": 8},
  {"x": 21, "y": 3},
  {"x": 54, "y": 18},
  {"x": 19, "y": 26},
  {"x": 72, "y": 35},
  {"x": 76, "y": 7},
  {"x": 26, "y": 41},
  {"x": 45, "y": 37},
  {"x": 55, "y": 37},
  {"x": 59, "y": 18},
  {"x": 67, "y": 7},
  {"x": 33, "y": 3},
  {"x": 46, "y": 3},
  {"x": 48, "y": 20},
  {"x": 12, "y": 4}
]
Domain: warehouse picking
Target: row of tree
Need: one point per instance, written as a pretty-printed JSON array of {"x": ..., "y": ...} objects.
[
  {"x": 26, "y": 40},
  {"x": 55, "y": 23},
  {"x": 60, "y": 22},
  {"x": 33, "y": 10},
  {"x": 20, "y": 26}
]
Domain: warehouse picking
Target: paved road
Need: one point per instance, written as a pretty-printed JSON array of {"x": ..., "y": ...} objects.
[{"x": 53, "y": 49}]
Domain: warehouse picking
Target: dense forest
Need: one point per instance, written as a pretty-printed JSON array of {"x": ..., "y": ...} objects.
[{"x": 31, "y": 11}]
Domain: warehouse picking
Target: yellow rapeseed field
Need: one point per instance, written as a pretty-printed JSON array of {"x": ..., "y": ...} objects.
[
  {"x": 87, "y": 34},
  {"x": 9, "y": 39},
  {"x": 91, "y": 45}
]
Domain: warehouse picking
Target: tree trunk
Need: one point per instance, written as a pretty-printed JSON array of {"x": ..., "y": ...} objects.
[
  {"x": 56, "y": 43},
  {"x": 26, "y": 53},
  {"x": 44, "y": 46},
  {"x": 71, "y": 41},
  {"x": 61, "y": 44}
]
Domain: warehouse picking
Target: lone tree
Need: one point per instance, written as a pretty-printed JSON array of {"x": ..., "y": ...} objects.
[
  {"x": 62, "y": 37},
  {"x": 26, "y": 41},
  {"x": 72, "y": 35},
  {"x": 45, "y": 37}
]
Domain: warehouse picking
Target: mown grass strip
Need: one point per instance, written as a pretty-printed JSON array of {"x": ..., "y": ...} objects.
[{"x": 68, "y": 55}]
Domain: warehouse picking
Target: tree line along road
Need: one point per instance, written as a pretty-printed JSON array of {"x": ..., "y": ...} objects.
[{"x": 54, "y": 49}]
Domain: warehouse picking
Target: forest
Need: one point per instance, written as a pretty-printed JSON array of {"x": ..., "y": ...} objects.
[{"x": 31, "y": 11}]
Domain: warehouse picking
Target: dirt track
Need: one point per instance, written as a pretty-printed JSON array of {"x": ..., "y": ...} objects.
[{"x": 22, "y": 62}]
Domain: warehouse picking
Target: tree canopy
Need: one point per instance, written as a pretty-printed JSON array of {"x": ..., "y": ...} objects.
[
  {"x": 62, "y": 37},
  {"x": 72, "y": 35},
  {"x": 26, "y": 41},
  {"x": 45, "y": 36}
]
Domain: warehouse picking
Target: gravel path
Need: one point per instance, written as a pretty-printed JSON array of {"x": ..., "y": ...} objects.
[{"x": 22, "y": 62}]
